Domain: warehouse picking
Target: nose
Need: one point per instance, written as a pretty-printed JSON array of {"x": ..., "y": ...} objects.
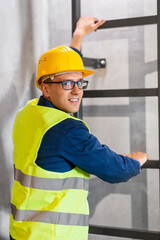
[{"x": 76, "y": 90}]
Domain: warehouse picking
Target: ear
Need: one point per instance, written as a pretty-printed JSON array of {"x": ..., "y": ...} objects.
[{"x": 45, "y": 90}]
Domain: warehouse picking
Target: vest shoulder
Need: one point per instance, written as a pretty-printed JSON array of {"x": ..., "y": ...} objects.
[{"x": 67, "y": 124}]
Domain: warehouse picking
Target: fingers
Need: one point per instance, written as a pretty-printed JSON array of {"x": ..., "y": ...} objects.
[
  {"x": 99, "y": 23},
  {"x": 95, "y": 19},
  {"x": 139, "y": 156},
  {"x": 86, "y": 25}
]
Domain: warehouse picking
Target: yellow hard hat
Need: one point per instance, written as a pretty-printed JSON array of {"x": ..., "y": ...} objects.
[{"x": 60, "y": 60}]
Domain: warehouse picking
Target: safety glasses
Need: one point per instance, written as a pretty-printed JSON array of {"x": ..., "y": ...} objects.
[{"x": 70, "y": 84}]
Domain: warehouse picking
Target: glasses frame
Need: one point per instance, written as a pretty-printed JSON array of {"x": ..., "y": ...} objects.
[{"x": 74, "y": 83}]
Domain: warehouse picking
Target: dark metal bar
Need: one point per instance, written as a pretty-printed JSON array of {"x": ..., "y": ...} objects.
[
  {"x": 158, "y": 67},
  {"x": 76, "y": 13},
  {"x": 94, "y": 62},
  {"x": 155, "y": 164},
  {"x": 124, "y": 232},
  {"x": 129, "y": 22},
  {"x": 144, "y": 92}
]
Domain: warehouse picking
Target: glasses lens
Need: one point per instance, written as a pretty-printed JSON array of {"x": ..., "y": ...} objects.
[
  {"x": 68, "y": 84},
  {"x": 80, "y": 84}
]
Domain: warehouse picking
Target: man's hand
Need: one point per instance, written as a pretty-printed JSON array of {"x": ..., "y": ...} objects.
[
  {"x": 84, "y": 26},
  {"x": 141, "y": 157}
]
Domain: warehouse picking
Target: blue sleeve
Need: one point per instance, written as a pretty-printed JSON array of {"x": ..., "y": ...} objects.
[
  {"x": 76, "y": 50},
  {"x": 85, "y": 151}
]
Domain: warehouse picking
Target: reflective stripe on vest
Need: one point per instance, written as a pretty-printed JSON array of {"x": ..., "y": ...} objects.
[
  {"x": 52, "y": 184},
  {"x": 50, "y": 217}
]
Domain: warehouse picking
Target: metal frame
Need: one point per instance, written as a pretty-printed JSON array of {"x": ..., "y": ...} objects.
[
  {"x": 124, "y": 232},
  {"x": 154, "y": 164},
  {"x": 94, "y": 62},
  {"x": 129, "y": 22}
]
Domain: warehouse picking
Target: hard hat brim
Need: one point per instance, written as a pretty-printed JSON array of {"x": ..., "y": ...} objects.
[{"x": 85, "y": 73}]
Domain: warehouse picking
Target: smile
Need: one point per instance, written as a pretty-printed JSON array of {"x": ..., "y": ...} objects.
[{"x": 73, "y": 99}]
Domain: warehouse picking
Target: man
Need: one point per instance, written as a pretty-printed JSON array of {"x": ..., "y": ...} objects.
[{"x": 54, "y": 153}]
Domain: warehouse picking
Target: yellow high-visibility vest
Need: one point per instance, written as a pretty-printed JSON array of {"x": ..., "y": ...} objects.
[{"x": 44, "y": 204}]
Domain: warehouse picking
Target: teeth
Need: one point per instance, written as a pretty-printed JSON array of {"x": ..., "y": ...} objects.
[{"x": 73, "y": 100}]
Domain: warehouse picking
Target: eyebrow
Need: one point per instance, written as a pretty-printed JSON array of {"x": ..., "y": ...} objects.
[{"x": 68, "y": 80}]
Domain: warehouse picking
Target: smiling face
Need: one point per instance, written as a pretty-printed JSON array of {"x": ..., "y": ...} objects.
[{"x": 65, "y": 100}]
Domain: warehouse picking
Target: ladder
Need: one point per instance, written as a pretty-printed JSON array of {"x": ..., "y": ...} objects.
[{"x": 141, "y": 92}]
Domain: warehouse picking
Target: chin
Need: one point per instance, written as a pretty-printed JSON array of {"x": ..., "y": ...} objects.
[{"x": 73, "y": 111}]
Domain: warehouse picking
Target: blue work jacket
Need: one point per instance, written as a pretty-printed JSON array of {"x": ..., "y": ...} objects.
[{"x": 69, "y": 144}]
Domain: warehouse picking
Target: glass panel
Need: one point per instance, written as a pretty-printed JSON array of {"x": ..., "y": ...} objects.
[
  {"x": 126, "y": 127},
  {"x": 118, "y": 9},
  {"x": 131, "y": 55}
]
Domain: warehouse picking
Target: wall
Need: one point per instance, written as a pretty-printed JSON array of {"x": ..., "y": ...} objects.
[
  {"x": 30, "y": 27},
  {"x": 24, "y": 37}
]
